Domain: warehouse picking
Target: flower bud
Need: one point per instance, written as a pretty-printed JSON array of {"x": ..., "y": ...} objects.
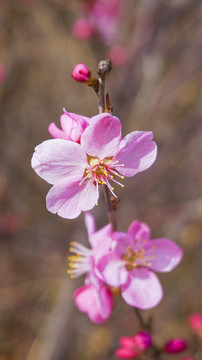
[
  {"x": 175, "y": 345},
  {"x": 81, "y": 73},
  {"x": 142, "y": 340}
]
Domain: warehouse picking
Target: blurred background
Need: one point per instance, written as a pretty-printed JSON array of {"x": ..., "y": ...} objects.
[{"x": 155, "y": 84}]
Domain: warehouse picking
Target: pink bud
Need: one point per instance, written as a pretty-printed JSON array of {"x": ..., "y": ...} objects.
[
  {"x": 175, "y": 345},
  {"x": 81, "y": 73},
  {"x": 195, "y": 321},
  {"x": 126, "y": 353},
  {"x": 82, "y": 29},
  {"x": 142, "y": 340}
]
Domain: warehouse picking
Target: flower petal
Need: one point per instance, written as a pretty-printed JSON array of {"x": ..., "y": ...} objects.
[
  {"x": 139, "y": 231},
  {"x": 143, "y": 289},
  {"x": 101, "y": 240},
  {"x": 66, "y": 121},
  {"x": 101, "y": 138},
  {"x": 162, "y": 254},
  {"x": 57, "y": 133},
  {"x": 111, "y": 269},
  {"x": 137, "y": 152},
  {"x": 56, "y": 159},
  {"x": 90, "y": 223},
  {"x": 68, "y": 199},
  {"x": 98, "y": 305}
]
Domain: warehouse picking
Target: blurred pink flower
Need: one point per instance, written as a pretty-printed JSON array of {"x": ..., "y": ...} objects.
[
  {"x": 142, "y": 340},
  {"x": 195, "y": 321},
  {"x": 187, "y": 357},
  {"x": 175, "y": 345},
  {"x": 105, "y": 16},
  {"x": 127, "y": 349},
  {"x": 77, "y": 170},
  {"x": 72, "y": 125},
  {"x": 94, "y": 298},
  {"x": 81, "y": 73},
  {"x": 82, "y": 29},
  {"x": 3, "y": 73},
  {"x": 129, "y": 262},
  {"x": 119, "y": 55}
]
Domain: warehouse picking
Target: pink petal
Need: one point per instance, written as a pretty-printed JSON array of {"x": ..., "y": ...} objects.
[
  {"x": 98, "y": 306},
  {"x": 139, "y": 231},
  {"x": 143, "y": 290},
  {"x": 125, "y": 353},
  {"x": 137, "y": 152},
  {"x": 56, "y": 159},
  {"x": 101, "y": 139},
  {"x": 90, "y": 223},
  {"x": 68, "y": 198},
  {"x": 101, "y": 240},
  {"x": 68, "y": 118},
  {"x": 120, "y": 241},
  {"x": 162, "y": 254},
  {"x": 57, "y": 133},
  {"x": 111, "y": 269}
]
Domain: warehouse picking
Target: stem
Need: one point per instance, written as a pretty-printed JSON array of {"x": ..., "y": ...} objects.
[
  {"x": 111, "y": 212},
  {"x": 153, "y": 351},
  {"x": 104, "y": 68}
]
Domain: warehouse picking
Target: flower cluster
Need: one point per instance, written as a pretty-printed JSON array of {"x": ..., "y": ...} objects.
[{"x": 84, "y": 155}]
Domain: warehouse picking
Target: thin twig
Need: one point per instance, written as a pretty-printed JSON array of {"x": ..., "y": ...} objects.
[{"x": 104, "y": 68}]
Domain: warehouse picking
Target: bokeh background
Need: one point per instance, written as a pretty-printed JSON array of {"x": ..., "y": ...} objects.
[{"x": 155, "y": 85}]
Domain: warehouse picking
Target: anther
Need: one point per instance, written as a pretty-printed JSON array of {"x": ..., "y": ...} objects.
[{"x": 86, "y": 189}]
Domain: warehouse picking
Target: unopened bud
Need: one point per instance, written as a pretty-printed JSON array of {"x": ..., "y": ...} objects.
[
  {"x": 175, "y": 345},
  {"x": 142, "y": 340},
  {"x": 81, "y": 73}
]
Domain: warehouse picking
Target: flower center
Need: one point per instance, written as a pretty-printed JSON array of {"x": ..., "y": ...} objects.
[
  {"x": 136, "y": 257},
  {"x": 101, "y": 171}
]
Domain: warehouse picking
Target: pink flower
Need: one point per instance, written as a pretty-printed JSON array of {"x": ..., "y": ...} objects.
[
  {"x": 77, "y": 170},
  {"x": 142, "y": 340},
  {"x": 81, "y": 73},
  {"x": 72, "y": 125},
  {"x": 105, "y": 16},
  {"x": 195, "y": 321},
  {"x": 82, "y": 29},
  {"x": 94, "y": 298},
  {"x": 175, "y": 345},
  {"x": 131, "y": 260},
  {"x": 128, "y": 349}
]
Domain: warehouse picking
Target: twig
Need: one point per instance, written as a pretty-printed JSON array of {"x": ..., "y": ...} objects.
[{"x": 104, "y": 68}]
